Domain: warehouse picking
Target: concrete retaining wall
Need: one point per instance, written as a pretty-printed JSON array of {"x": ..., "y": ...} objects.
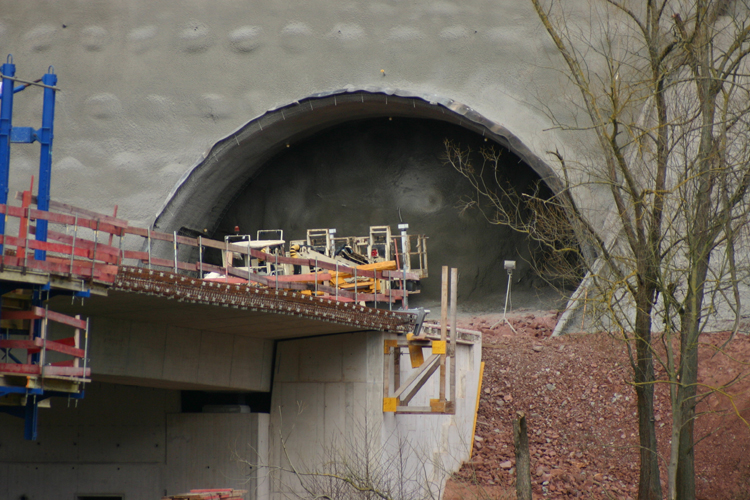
[
  {"x": 327, "y": 404},
  {"x": 131, "y": 442},
  {"x": 159, "y": 355}
]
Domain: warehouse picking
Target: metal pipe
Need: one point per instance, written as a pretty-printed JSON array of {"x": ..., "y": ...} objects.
[
  {"x": 227, "y": 258},
  {"x": 174, "y": 248},
  {"x": 200, "y": 255},
  {"x": 6, "y": 123},
  {"x": 45, "y": 158},
  {"x": 73, "y": 251},
  {"x": 26, "y": 83},
  {"x": 405, "y": 262},
  {"x": 93, "y": 258},
  {"x": 26, "y": 243},
  {"x": 85, "y": 350},
  {"x": 43, "y": 354},
  {"x": 454, "y": 332}
]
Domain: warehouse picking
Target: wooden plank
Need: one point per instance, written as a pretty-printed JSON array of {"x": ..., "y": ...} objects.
[
  {"x": 454, "y": 333},
  {"x": 397, "y": 366},
  {"x": 303, "y": 278},
  {"x": 66, "y": 371},
  {"x": 186, "y": 240},
  {"x": 132, "y": 254},
  {"x": 38, "y": 313},
  {"x": 61, "y": 219},
  {"x": 51, "y": 345},
  {"x": 410, "y": 275},
  {"x": 359, "y": 285},
  {"x": 267, "y": 257},
  {"x": 84, "y": 243},
  {"x": 416, "y": 355},
  {"x": 423, "y": 378},
  {"x": 211, "y": 268},
  {"x": 413, "y": 409},
  {"x": 71, "y": 341},
  {"x": 48, "y": 370},
  {"x": 206, "y": 242},
  {"x": 18, "y": 344},
  {"x": 67, "y": 362},
  {"x": 432, "y": 360},
  {"x": 386, "y": 265},
  {"x": 443, "y": 323},
  {"x": 159, "y": 236},
  {"x": 70, "y": 209},
  {"x": 70, "y": 220},
  {"x": 137, "y": 231},
  {"x": 235, "y": 273},
  {"x": 367, "y": 297},
  {"x": 169, "y": 263},
  {"x": 386, "y": 370},
  {"x": 59, "y": 248},
  {"x": 269, "y": 281},
  {"x": 364, "y": 273},
  {"x": 65, "y": 319}
]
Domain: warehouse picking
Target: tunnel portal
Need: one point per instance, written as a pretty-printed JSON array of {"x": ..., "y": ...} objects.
[
  {"x": 365, "y": 159},
  {"x": 385, "y": 171}
]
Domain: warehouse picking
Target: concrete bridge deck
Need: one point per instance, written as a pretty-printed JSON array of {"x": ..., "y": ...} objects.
[{"x": 163, "y": 297}]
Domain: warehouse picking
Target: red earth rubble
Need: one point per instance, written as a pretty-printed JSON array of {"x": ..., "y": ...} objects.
[{"x": 580, "y": 407}]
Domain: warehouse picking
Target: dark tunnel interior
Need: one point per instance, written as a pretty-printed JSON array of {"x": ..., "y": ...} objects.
[{"x": 384, "y": 171}]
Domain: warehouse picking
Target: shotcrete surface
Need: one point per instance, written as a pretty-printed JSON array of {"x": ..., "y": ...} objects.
[
  {"x": 383, "y": 172},
  {"x": 148, "y": 89}
]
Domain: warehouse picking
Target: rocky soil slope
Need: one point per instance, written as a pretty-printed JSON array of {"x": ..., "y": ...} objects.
[{"x": 581, "y": 416}]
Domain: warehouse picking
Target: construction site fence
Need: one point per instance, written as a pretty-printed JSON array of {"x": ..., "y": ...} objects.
[{"x": 74, "y": 254}]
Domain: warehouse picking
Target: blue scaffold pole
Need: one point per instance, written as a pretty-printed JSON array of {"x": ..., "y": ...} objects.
[
  {"x": 6, "y": 124},
  {"x": 45, "y": 136}
]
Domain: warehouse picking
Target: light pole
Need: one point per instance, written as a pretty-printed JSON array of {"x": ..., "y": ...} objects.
[{"x": 509, "y": 265}]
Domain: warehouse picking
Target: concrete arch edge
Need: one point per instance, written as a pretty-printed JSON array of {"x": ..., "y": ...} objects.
[{"x": 201, "y": 197}]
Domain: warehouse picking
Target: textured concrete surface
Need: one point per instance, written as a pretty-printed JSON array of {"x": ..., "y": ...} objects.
[
  {"x": 158, "y": 355},
  {"x": 382, "y": 172},
  {"x": 327, "y": 402},
  {"x": 149, "y": 89},
  {"x": 132, "y": 442}
]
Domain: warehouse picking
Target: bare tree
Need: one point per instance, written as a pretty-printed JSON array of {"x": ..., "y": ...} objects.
[{"x": 664, "y": 99}]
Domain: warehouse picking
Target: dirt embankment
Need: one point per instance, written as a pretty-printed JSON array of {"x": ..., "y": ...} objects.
[{"x": 581, "y": 414}]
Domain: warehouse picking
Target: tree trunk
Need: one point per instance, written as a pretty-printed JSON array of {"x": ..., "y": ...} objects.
[
  {"x": 685, "y": 480},
  {"x": 523, "y": 459},
  {"x": 649, "y": 485}
]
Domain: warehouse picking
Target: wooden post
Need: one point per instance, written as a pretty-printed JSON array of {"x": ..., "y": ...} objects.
[
  {"x": 476, "y": 408},
  {"x": 523, "y": 460},
  {"x": 454, "y": 332},
  {"x": 390, "y": 404},
  {"x": 77, "y": 344},
  {"x": 443, "y": 327},
  {"x": 386, "y": 369},
  {"x": 73, "y": 248},
  {"x": 112, "y": 235},
  {"x": 96, "y": 243},
  {"x": 396, "y": 366},
  {"x": 174, "y": 233}
]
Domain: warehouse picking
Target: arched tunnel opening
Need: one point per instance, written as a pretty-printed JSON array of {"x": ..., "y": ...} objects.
[{"x": 355, "y": 160}]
